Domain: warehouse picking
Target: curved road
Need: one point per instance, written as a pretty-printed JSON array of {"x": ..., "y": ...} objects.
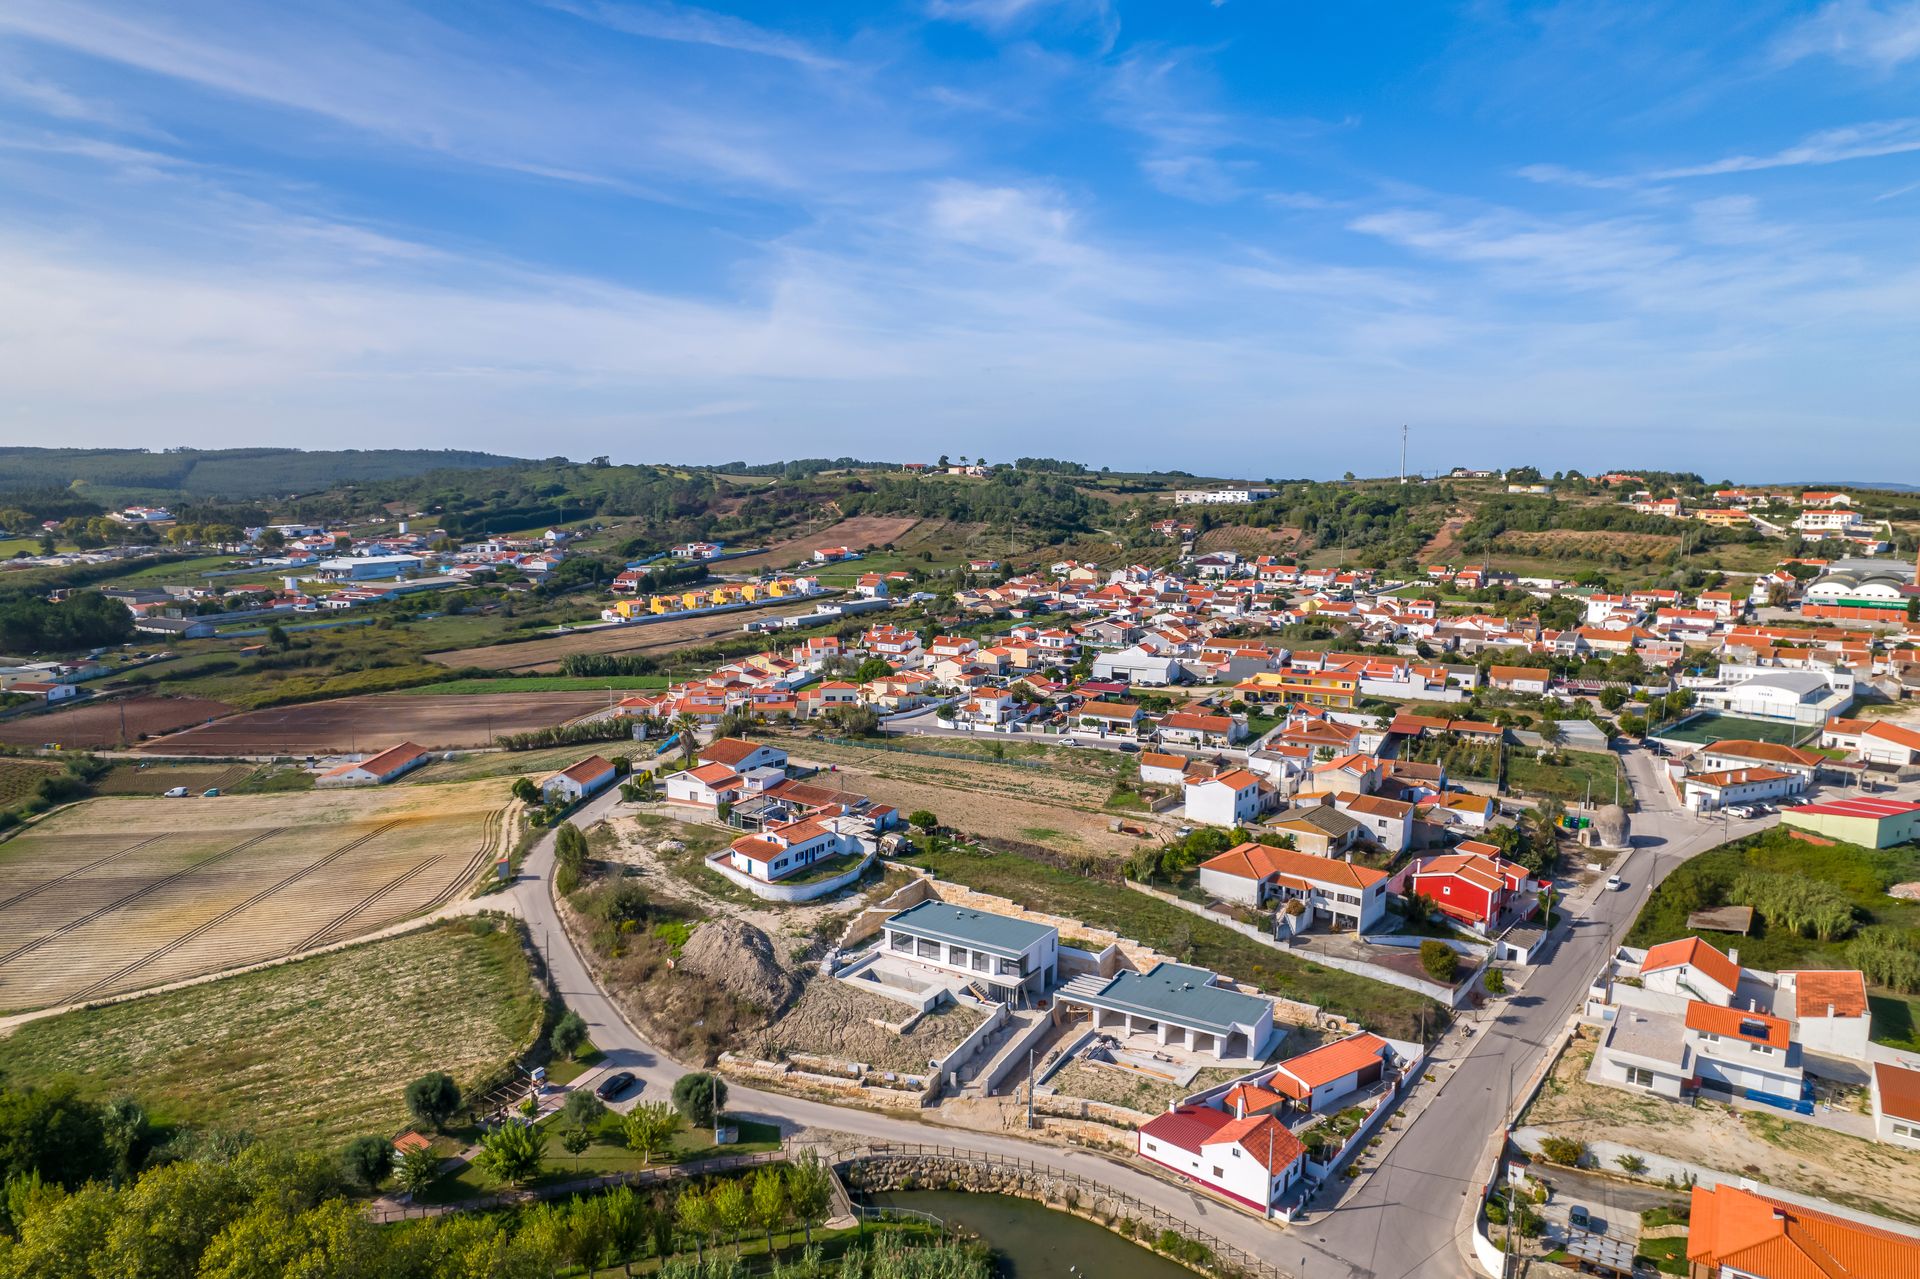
[{"x": 1404, "y": 1220}]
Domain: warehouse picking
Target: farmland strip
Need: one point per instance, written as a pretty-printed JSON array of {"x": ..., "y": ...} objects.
[
  {"x": 207, "y": 926},
  {"x": 134, "y": 896},
  {"x": 77, "y": 870},
  {"x": 353, "y": 912}
]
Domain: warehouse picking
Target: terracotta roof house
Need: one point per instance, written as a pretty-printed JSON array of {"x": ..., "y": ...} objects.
[
  {"x": 571, "y": 785},
  {"x": 1251, "y": 1161},
  {"x": 377, "y": 770},
  {"x": 1257, "y": 875},
  {"x": 1735, "y": 1233}
]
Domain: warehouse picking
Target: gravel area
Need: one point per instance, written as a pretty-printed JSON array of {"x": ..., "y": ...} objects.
[{"x": 832, "y": 1019}]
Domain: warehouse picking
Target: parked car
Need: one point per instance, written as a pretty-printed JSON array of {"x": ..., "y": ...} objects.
[
  {"x": 1615, "y": 883},
  {"x": 614, "y": 1085},
  {"x": 178, "y": 792},
  {"x": 211, "y": 792}
]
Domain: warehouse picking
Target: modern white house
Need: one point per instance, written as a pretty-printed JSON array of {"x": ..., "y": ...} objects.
[
  {"x": 741, "y": 755},
  {"x": 1707, "y": 792},
  {"x": 1179, "y": 1005},
  {"x": 1003, "y": 955},
  {"x": 782, "y": 851},
  {"x": 1232, "y": 798},
  {"x": 707, "y": 786}
]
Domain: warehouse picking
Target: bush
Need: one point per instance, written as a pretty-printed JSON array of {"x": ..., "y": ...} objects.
[
  {"x": 922, "y": 819},
  {"x": 1563, "y": 1150},
  {"x": 433, "y": 1098},
  {"x": 366, "y": 1161},
  {"x": 1495, "y": 981},
  {"x": 1439, "y": 960},
  {"x": 569, "y": 1034},
  {"x": 700, "y": 1096}
]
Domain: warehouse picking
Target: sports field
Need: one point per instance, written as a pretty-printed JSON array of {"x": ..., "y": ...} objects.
[
  {"x": 121, "y": 894},
  {"x": 1711, "y": 726}
]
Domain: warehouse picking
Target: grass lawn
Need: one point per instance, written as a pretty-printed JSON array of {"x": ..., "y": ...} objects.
[
  {"x": 313, "y": 1052},
  {"x": 1862, "y": 874},
  {"x": 537, "y": 684},
  {"x": 608, "y": 1153},
  {"x": 1105, "y": 904},
  {"x": 1569, "y": 781},
  {"x": 1714, "y": 727}
]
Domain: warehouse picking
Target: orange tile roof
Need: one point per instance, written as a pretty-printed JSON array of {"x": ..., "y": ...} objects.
[
  {"x": 1263, "y": 1137},
  {"x": 1333, "y": 1061},
  {"x": 1257, "y": 861},
  {"x": 1154, "y": 759},
  {"x": 385, "y": 762},
  {"x": 1237, "y": 778},
  {"x": 586, "y": 770},
  {"x": 1816, "y": 989},
  {"x": 1253, "y": 1097},
  {"x": 1699, "y": 954},
  {"x": 728, "y": 750},
  {"x": 1899, "y": 1090},
  {"x": 1774, "y": 752},
  {"x": 1735, "y": 1023},
  {"x": 713, "y": 775},
  {"x": 1760, "y": 1236}
]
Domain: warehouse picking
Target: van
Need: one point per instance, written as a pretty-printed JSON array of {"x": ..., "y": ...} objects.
[{"x": 178, "y": 792}]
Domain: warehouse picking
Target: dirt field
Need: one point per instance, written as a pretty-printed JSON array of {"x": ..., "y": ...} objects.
[
  {"x": 1766, "y": 1146},
  {"x": 858, "y": 533},
  {"x": 119, "y": 894},
  {"x": 538, "y": 656},
  {"x": 20, "y": 778},
  {"x": 1032, "y": 805},
  {"x": 102, "y": 723},
  {"x": 376, "y": 721},
  {"x": 1250, "y": 541},
  {"x": 832, "y": 1019},
  {"x": 314, "y": 1052},
  {"x": 158, "y": 779}
]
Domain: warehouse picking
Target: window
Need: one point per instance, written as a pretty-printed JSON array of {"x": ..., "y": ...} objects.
[
  {"x": 1013, "y": 967},
  {"x": 982, "y": 963},
  {"x": 927, "y": 949},
  {"x": 1639, "y": 1078},
  {"x": 1153, "y": 1147},
  {"x": 901, "y": 941},
  {"x": 1909, "y": 1131},
  {"x": 957, "y": 956}
]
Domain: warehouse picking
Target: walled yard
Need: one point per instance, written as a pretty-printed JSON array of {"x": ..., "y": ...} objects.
[
  {"x": 986, "y": 798},
  {"x": 375, "y": 722},
  {"x": 123, "y": 893},
  {"x": 1769, "y": 1147},
  {"x": 831, "y": 1019},
  {"x": 315, "y": 1051}
]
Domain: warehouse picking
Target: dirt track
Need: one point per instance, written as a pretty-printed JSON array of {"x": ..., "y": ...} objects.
[
  {"x": 544, "y": 656},
  {"x": 860, "y": 533},
  {"x": 375, "y": 722},
  {"x": 100, "y": 723}
]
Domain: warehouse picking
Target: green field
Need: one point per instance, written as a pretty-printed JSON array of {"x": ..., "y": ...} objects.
[
  {"x": 1711, "y": 726},
  {"x": 1862, "y": 875},
  {"x": 1105, "y": 904},
  {"x": 315, "y": 1051},
  {"x": 538, "y": 684},
  {"x": 1568, "y": 782}
]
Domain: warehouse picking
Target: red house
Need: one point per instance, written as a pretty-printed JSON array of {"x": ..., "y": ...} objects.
[{"x": 1473, "y": 883}]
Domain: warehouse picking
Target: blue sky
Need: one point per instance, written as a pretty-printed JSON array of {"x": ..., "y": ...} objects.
[{"x": 1250, "y": 236}]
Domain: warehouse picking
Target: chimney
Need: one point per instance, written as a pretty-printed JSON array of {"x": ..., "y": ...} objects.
[
  {"x": 1829, "y": 1010},
  {"x": 1734, "y": 955}
]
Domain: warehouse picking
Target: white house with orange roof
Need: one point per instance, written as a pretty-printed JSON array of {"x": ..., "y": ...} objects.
[
  {"x": 708, "y": 786},
  {"x": 1231, "y": 798},
  {"x": 1253, "y": 1161},
  {"x": 580, "y": 781},
  {"x": 1691, "y": 969},
  {"x": 741, "y": 755},
  {"x": 782, "y": 851},
  {"x": 378, "y": 769},
  {"x": 1335, "y": 891},
  {"x": 1324, "y": 1075}
]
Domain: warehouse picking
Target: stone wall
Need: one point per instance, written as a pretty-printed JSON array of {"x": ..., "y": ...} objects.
[{"x": 846, "y": 1082}]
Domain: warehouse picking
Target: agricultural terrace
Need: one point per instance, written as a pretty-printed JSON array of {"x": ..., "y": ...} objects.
[
  {"x": 315, "y": 1051},
  {"x": 1107, "y": 903},
  {"x": 20, "y": 779},
  {"x": 377, "y": 721},
  {"x": 120, "y": 894},
  {"x": 111, "y": 722},
  {"x": 1815, "y": 906},
  {"x": 858, "y": 533},
  {"x": 640, "y": 638}
]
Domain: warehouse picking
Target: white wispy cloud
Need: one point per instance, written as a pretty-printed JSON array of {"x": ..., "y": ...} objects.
[
  {"x": 1867, "y": 141},
  {"x": 682, "y": 24},
  {"x": 1860, "y": 33}
]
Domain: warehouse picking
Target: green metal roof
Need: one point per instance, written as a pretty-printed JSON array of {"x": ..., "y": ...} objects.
[
  {"x": 981, "y": 930},
  {"x": 1180, "y": 994}
]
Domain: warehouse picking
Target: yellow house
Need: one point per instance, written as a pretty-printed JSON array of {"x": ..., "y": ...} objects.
[{"x": 1316, "y": 688}]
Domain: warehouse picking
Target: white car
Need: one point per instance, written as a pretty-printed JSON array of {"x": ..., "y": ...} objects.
[
  {"x": 178, "y": 792},
  {"x": 1615, "y": 883}
]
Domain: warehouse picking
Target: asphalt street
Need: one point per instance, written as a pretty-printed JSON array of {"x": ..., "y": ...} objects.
[{"x": 1402, "y": 1222}]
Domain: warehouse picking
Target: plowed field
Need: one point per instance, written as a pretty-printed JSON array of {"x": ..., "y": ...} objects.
[
  {"x": 377, "y": 721},
  {"x": 111, "y": 722}
]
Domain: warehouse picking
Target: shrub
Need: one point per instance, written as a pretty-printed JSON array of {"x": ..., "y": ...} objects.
[
  {"x": 700, "y": 1096},
  {"x": 1563, "y": 1150},
  {"x": 1439, "y": 960},
  {"x": 922, "y": 819},
  {"x": 569, "y": 1034},
  {"x": 433, "y": 1098},
  {"x": 1495, "y": 981}
]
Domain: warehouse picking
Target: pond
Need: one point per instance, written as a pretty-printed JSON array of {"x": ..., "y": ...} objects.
[{"x": 1035, "y": 1242}]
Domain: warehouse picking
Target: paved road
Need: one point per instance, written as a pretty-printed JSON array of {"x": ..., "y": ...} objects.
[{"x": 1404, "y": 1220}]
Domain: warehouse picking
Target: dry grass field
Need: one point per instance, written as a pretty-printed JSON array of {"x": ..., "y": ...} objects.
[
  {"x": 858, "y": 533},
  {"x": 315, "y": 1051},
  {"x": 544, "y": 655},
  {"x": 376, "y": 721},
  {"x": 159, "y": 778},
  {"x": 121, "y": 894}
]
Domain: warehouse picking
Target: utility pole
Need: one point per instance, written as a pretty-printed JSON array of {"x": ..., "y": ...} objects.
[
  {"x": 1403, "y": 453},
  {"x": 1030, "y": 1088}
]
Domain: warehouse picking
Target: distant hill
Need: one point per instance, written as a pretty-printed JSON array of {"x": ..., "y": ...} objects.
[
  {"x": 1823, "y": 486},
  {"x": 229, "y": 473}
]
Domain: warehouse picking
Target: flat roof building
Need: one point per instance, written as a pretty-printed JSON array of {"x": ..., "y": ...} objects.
[
  {"x": 1004, "y": 955},
  {"x": 1180, "y": 1005}
]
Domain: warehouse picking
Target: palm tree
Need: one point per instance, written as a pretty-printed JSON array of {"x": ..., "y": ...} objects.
[{"x": 688, "y": 727}]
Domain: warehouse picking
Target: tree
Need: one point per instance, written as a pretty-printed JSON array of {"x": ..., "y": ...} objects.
[
  {"x": 512, "y": 1153},
  {"x": 1633, "y": 725},
  {"x": 277, "y": 636},
  {"x": 648, "y": 1127},
  {"x": 1495, "y": 981},
  {"x": 732, "y": 1211},
  {"x": 1563, "y": 1150},
  {"x": 871, "y": 669},
  {"x": 54, "y": 1133},
  {"x": 1439, "y": 960},
  {"x": 524, "y": 792},
  {"x": 1632, "y": 1165},
  {"x": 416, "y": 1170},
  {"x": 583, "y": 1108},
  {"x": 769, "y": 1203},
  {"x": 922, "y": 819},
  {"x": 569, "y": 1034},
  {"x": 693, "y": 1213},
  {"x": 700, "y": 1096},
  {"x": 433, "y": 1098},
  {"x": 576, "y": 1139},
  {"x": 1612, "y": 699},
  {"x": 366, "y": 1161},
  {"x": 809, "y": 1192}
]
